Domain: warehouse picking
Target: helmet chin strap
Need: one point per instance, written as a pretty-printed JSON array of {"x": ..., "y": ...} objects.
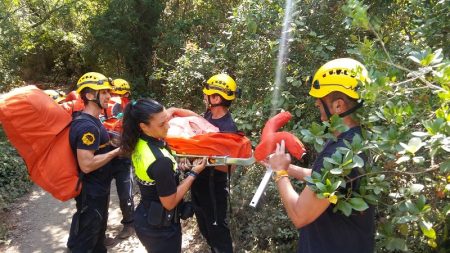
[
  {"x": 346, "y": 113},
  {"x": 352, "y": 110},
  {"x": 97, "y": 100},
  {"x": 325, "y": 108},
  {"x": 211, "y": 104}
]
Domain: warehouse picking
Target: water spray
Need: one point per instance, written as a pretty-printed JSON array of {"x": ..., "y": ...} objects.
[{"x": 279, "y": 80}]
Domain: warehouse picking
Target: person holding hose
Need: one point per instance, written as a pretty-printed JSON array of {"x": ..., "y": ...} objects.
[
  {"x": 322, "y": 230},
  {"x": 156, "y": 218}
]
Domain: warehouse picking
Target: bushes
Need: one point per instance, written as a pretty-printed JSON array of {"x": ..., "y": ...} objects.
[
  {"x": 14, "y": 180},
  {"x": 406, "y": 114}
]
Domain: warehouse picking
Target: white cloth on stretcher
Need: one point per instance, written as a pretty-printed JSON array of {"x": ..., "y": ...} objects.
[{"x": 187, "y": 127}]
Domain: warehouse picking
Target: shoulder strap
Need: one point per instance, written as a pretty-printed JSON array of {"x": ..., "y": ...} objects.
[{"x": 82, "y": 116}]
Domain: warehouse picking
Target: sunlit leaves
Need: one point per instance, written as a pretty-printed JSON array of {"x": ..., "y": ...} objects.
[
  {"x": 427, "y": 229},
  {"x": 413, "y": 145},
  {"x": 426, "y": 58},
  {"x": 358, "y": 13}
]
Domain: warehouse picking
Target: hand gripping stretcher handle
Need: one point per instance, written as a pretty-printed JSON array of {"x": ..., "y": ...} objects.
[
  {"x": 262, "y": 187},
  {"x": 221, "y": 160}
]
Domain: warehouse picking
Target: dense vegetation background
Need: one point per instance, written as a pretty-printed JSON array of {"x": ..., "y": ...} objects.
[{"x": 167, "y": 49}]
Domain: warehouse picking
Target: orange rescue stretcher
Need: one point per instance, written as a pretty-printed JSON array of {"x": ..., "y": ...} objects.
[{"x": 219, "y": 148}]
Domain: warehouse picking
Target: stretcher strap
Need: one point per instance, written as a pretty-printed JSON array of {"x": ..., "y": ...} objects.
[
  {"x": 212, "y": 194},
  {"x": 229, "y": 188}
]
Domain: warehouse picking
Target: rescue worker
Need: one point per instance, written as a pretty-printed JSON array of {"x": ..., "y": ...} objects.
[
  {"x": 90, "y": 144},
  {"x": 322, "y": 230},
  {"x": 157, "y": 223},
  {"x": 121, "y": 166},
  {"x": 120, "y": 96},
  {"x": 210, "y": 190}
]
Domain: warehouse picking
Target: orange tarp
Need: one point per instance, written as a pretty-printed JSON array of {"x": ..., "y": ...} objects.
[
  {"x": 38, "y": 128},
  {"x": 212, "y": 144}
]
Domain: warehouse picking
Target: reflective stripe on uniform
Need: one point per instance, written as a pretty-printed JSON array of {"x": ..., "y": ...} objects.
[{"x": 143, "y": 156}]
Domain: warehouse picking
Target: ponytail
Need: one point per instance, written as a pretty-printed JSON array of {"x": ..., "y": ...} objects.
[{"x": 136, "y": 112}]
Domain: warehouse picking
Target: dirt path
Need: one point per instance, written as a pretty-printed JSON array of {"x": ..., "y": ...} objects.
[{"x": 40, "y": 223}]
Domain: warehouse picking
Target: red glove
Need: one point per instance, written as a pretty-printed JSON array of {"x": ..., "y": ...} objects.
[{"x": 270, "y": 138}]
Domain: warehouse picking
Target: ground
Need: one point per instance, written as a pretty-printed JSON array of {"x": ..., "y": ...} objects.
[{"x": 39, "y": 223}]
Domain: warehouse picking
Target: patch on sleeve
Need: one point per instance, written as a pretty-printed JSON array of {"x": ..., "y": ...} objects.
[{"x": 88, "y": 139}]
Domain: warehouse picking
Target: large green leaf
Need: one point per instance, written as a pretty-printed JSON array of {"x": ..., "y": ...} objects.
[{"x": 358, "y": 204}]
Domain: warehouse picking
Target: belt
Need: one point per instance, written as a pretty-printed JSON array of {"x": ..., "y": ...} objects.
[
  {"x": 174, "y": 216},
  {"x": 145, "y": 182}
]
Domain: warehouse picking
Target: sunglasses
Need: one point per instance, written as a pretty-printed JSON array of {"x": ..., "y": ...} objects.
[
  {"x": 121, "y": 89},
  {"x": 99, "y": 82},
  {"x": 316, "y": 84},
  {"x": 224, "y": 90}
]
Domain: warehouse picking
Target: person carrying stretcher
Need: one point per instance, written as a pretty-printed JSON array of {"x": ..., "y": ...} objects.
[
  {"x": 121, "y": 166},
  {"x": 210, "y": 191}
]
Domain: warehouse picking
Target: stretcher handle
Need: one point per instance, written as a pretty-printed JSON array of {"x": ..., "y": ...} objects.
[
  {"x": 262, "y": 187},
  {"x": 221, "y": 160}
]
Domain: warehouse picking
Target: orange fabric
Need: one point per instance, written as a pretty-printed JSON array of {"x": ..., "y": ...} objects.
[
  {"x": 276, "y": 122},
  {"x": 212, "y": 144},
  {"x": 270, "y": 138},
  {"x": 72, "y": 106},
  {"x": 111, "y": 103},
  {"x": 38, "y": 128},
  {"x": 73, "y": 95},
  {"x": 113, "y": 124}
]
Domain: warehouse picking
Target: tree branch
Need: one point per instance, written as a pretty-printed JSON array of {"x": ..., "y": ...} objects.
[
  {"x": 433, "y": 168},
  {"x": 11, "y": 13},
  {"x": 48, "y": 16}
]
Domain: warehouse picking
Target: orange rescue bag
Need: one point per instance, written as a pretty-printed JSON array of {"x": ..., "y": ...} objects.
[{"x": 39, "y": 129}]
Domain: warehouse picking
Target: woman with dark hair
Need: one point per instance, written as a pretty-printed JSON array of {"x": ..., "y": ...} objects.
[{"x": 157, "y": 224}]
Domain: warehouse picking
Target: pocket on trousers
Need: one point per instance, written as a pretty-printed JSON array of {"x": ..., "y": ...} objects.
[{"x": 155, "y": 214}]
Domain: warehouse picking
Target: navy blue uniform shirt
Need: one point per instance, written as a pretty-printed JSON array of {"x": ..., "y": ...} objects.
[
  {"x": 226, "y": 125},
  {"x": 88, "y": 133},
  {"x": 335, "y": 232}
]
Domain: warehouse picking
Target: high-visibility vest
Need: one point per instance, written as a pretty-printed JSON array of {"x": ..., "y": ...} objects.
[{"x": 143, "y": 156}]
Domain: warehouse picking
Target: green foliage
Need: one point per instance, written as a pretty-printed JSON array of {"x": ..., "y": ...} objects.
[
  {"x": 14, "y": 180},
  {"x": 168, "y": 54},
  {"x": 264, "y": 229},
  {"x": 123, "y": 37},
  {"x": 407, "y": 134}
]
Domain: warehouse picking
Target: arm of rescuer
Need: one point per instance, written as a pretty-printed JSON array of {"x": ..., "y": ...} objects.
[
  {"x": 89, "y": 162},
  {"x": 171, "y": 201},
  {"x": 301, "y": 208},
  {"x": 179, "y": 112},
  {"x": 294, "y": 171},
  {"x": 222, "y": 168}
]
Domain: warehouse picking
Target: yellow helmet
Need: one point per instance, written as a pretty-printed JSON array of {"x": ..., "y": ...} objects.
[
  {"x": 341, "y": 75},
  {"x": 121, "y": 86},
  {"x": 95, "y": 81},
  {"x": 221, "y": 84},
  {"x": 57, "y": 96}
]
